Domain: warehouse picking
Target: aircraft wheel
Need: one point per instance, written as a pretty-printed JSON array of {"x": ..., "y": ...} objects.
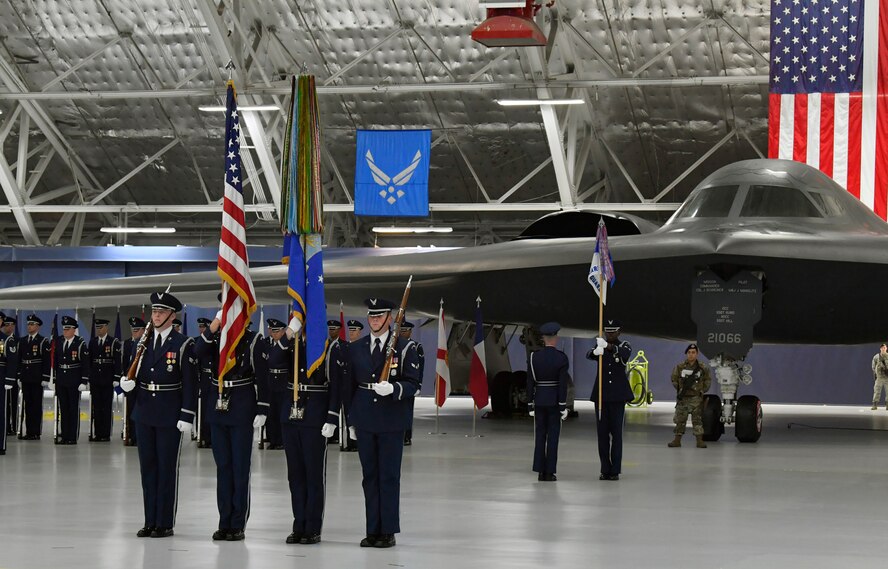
[
  {"x": 749, "y": 419},
  {"x": 650, "y": 397},
  {"x": 712, "y": 425}
]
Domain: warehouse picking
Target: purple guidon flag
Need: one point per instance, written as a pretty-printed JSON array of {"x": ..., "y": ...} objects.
[{"x": 601, "y": 273}]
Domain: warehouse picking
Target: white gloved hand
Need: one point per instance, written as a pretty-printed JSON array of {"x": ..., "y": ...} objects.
[
  {"x": 352, "y": 434},
  {"x": 8, "y": 387},
  {"x": 600, "y": 343},
  {"x": 115, "y": 383},
  {"x": 598, "y": 351},
  {"x": 44, "y": 383},
  {"x": 532, "y": 413},
  {"x": 295, "y": 325},
  {"x": 183, "y": 426},
  {"x": 564, "y": 415},
  {"x": 127, "y": 385},
  {"x": 383, "y": 388},
  {"x": 258, "y": 421},
  {"x": 83, "y": 387},
  {"x": 218, "y": 315},
  {"x": 686, "y": 372},
  {"x": 328, "y": 430}
]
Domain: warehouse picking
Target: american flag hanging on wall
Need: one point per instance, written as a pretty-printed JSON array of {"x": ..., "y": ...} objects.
[
  {"x": 238, "y": 296},
  {"x": 828, "y": 105}
]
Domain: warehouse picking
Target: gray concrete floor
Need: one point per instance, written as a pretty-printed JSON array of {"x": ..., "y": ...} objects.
[{"x": 801, "y": 497}]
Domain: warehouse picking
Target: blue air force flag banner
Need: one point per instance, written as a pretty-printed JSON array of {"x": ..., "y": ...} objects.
[{"x": 392, "y": 172}]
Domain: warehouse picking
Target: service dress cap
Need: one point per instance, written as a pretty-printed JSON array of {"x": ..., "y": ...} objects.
[
  {"x": 165, "y": 301},
  {"x": 378, "y": 306},
  {"x": 136, "y": 323},
  {"x": 34, "y": 319},
  {"x": 550, "y": 329},
  {"x": 69, "y": 322}
]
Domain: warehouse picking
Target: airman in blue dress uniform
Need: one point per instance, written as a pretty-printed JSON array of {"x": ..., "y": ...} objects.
[
  {"x": 305, "y": 441},
  {"x": 12, "y": 395},
  {"x": 407, "y": 333},
  {"x": 166, "y": 399},
  {"x": 245, "y": 395},
  {"x": 547, "y": 380},
  {"x": 379, "y": 416},
  {"x": 354, "y": 330},
  {"x": 72, "y": 377},
  {"x": 208, "y": 369},
  {"x": 127, "y": 354},
  {"x": 104, "y": 370},
  {"x": 616, "y": 392},
  {"x": 31, "y": 368},
  {"x": 280, "y": 366},
  {"x": 7, "y": 388}
]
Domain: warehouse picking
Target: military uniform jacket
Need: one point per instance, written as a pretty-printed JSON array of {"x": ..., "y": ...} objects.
[
  {"x": 3, "y": 355},
  {"x": 104, "y": 361},
  {"x": 420, "y": 356},
  {"x": 127, "y": 353},
  {"x": 71, "y": 365},
  {"x": 616, "y": 381},
  {"x": 547, "y": 378},
  {"x": 372, "y": 412},
  {"x": 30, "y": 361},
  {"x": 280, "y": 364},
  {"x": 319, "y": 395},
  {"x": 166, "y": 382},
  {"x": 208, "y": 362},
  {"x": 694, "y": 384},
  {"x": 248, "y": 391}
]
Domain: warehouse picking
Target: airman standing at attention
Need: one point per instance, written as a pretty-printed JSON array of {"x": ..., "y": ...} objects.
[
  {"x": 208, "y": 372},
  {"x": 72, "y": 378},
  {"x": 691, "y": 379},
  {"x": 346, "y": 443},
  {"x": 166, "y": 399},
  {"x": 104, "y": 369},
  {"x": 547, "y": 379},
  {"x": 127, "y": 354},
  {"x": 7, "y": 388},
  {"x": 407, "y": 333},
  {"x": 32, "y": 370},
  {"x": 280, "y": 372},
  {"x": 12, "y": 395}
]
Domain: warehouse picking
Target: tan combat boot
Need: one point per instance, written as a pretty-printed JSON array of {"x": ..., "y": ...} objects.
[
  {"x": 676, "y": 442},
  {"x": 874, "y": 407},
  {"x": 700, "y": 443}
]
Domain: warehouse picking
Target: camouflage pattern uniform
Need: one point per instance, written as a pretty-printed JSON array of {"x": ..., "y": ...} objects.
[
  {"x": 691, "y": 381},
  {"x": 880, "y": 373}
]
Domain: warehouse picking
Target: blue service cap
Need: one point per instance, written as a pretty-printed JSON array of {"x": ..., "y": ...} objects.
[
  {"x": 69, "y": 322},
  {"x": 177, "y": 322},
  {"x": 550, "y": 329},
  {"x": 355, "y": 325},
  {"x": 8, "y": 320},
  {"x": 135, "y": 323},
  {"x": 612, "y": 325},
  {"x": 377, "y": 306},
  {"x": 165, "y": 301},
  {"x": 34, "y": 319},
  {"x": 102, "y": 322},
  {"x": 334, "y": 324},
  {"x": 274, "y": 324},
  {"x": 407, "y": 325},
  {"x": 203, "y": 321}
]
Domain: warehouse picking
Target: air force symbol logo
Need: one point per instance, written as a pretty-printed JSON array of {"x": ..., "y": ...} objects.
[{"x": 392, "y": 172}]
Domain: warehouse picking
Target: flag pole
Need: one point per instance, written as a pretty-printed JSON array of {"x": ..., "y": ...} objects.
[
  {"x": 600, "y": 335},
  {"x": 437, "y": 379}
]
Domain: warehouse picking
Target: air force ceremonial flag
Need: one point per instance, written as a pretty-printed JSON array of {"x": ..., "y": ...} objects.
[{"x": 392, "y": 172}]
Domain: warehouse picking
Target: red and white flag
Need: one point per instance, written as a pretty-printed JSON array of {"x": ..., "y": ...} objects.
[
  {"x": 442, "y": 368},
  {"x": 828, "y": 101},
  {"x": 478, "y": 369}
]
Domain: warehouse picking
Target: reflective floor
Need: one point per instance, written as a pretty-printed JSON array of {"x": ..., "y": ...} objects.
[{"x": 814, "y": 495}]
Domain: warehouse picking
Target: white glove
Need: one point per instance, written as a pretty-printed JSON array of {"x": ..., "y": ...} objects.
[
  {"x": 183, "y": 426},
  {"x": 258, "y": 421},
  {"x": 218, "y": 315},
  {"x": 328, "y": 429},
  {"x": 352, "y": 434},
  {"x": 44, "y": 383},
  {"x": 384, "y": 388},
  {"x": 295, "y": 325},
  {"x": 127, "y": 385},
  {"x": 686, "y": 372},
  {"x": 81, "y": 387},
  {"x": 564, "y": 415},
  {"x": 598, "y": 351},
  {"x": 8, "y": 387},
  {"x": 600, "y": 343},
  {"x": 532, "y": 413},
  {"x": 115, "y": 383}
]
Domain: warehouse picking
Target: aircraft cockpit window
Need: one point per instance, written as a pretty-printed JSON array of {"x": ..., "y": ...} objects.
[
  {"x": 828, "y": 204},
  {"x": 710, "y": 202},
  {"x": 776, "y": 201}
]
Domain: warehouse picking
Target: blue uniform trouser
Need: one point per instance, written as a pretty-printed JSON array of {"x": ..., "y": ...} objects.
[
  {"x": 409, "y": 434},
  {"x": 69, "y": 409},
  {"x": 101, "y": 397},
  {"x": 547, "y": 422},
  {"x": 3, "y": 397},
  {"x": 159, "y": 449},
  {"x": 33, "y": 404},
  {"x": 12, "y": 399},
  {"x": 273, "y": 427},
  {"x": 380, "y": 455},
  {"x": 610, "y": 436},
  {"x": 232, "y": 451},
  {"x": 306, "y": 450}
]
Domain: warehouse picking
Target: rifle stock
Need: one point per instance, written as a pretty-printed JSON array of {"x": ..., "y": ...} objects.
[
  {"x": 396, "y": 331},
  {"x": 140, "y": 350}
]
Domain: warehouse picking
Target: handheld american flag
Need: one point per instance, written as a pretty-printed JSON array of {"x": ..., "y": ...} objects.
[
  {"x": 601, "y": 272},
  {"x": 238, "y": 296},
  {"x": 828, "y": 105}
]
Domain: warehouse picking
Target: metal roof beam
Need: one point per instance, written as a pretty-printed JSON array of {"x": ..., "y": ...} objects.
[
  {"x": 524, "y": 180},
  {"x": 693, "y": 166},
  {"x": 147, "y": 162},
  {"x": 15, "y": 197},
  {"x": 59, "y": 78}
]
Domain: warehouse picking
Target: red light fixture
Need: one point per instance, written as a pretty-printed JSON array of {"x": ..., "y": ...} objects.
[{"x": 510, "y": 27}]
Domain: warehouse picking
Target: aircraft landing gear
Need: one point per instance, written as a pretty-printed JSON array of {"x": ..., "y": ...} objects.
[{"x": 746, "y": 412}]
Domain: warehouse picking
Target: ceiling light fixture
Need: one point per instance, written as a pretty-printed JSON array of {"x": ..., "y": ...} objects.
[
  {"x": 535, "y": 102},
  {"x": 138, "y": 230},
  {"x": 406, "y": 230},
  {"x": 221, "y": 109}
]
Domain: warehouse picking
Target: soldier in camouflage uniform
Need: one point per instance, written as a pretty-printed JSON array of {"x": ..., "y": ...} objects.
[
  {"x": 880, "y": 375},
  {"x": 691, "y": 379}
]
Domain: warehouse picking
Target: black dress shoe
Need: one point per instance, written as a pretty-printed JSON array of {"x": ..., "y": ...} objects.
[
  {"x": 385, "y": 540},
  {"x": 310, "y": 539},
  {"x": 369, "y": 541},
  {"x": 550, "y": 478},
  {"x": 220, "y": 535},
  {"x": 235, "y": 535},
  {"x": 162, "y": 532},
  {"x": 613, "y": 477},
  {"x": 408, "y": 442},
  {"x": 293, "y": 538},
  {"x": 541, "y": 477},
  {"x": 144, "y": 532},
  {"x": 604, "y": 477}
]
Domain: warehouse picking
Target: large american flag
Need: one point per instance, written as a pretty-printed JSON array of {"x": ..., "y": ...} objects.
[
  {"x": 238, "y": 296},
  {"x": 827, "y": 105}
]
